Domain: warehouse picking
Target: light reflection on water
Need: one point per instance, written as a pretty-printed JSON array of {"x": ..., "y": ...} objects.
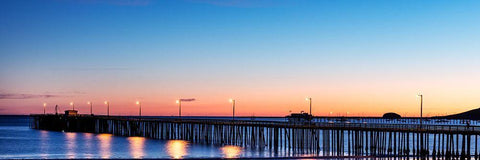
[
  {"x": 231, "y": 151},
  {"x": 105, "y": 145},
  {"x": 177, "y": 149},
  {"x": 36, "y": 144},
  {"x": 137, "y": 145},
  {"x": 44, "y": 138},
  {"x": 88, "y": 144},
  {"x": 71, "y": 144}
]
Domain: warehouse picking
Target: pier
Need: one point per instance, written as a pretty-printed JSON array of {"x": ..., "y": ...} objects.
[{"x": 320, "y": 138}]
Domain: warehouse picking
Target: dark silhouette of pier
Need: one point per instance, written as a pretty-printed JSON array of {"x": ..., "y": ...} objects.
[{"x": 316, "y": 138}]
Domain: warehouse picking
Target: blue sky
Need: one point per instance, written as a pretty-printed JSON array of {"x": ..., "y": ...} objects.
[{"x": 168, "y": 49}]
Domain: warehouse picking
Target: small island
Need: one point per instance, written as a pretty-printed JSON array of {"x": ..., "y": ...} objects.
[{"x": 391, "y": 115}]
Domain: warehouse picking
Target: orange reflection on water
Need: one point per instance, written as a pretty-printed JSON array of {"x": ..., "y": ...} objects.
[
  {"x": 231, "y": 151},
  {"x": 105, "y": 145},
  {"x": 177, "y": 149},
  {"x": 71, "y": 144},
  {"x": 137, "y": 144}
]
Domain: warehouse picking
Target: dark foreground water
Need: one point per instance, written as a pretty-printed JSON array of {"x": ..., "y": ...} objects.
[{"x": 18, "y": 141}]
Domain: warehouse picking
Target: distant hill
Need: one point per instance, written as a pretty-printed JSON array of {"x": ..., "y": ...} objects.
[
  {"x": 473, "y": 114},
  {"x": 391, "y": 115}
]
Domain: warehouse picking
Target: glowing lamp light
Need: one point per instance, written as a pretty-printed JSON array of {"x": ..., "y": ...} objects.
[
  {"x": 44, "y": 105},
  {"x": 177, "y": 101},
  {"x": 231, "y": 100},
  {"x": 91, "y": 107},
  {"x": 309, "y": 99},
  {"x": 419, "y": 94},
  {"x": 108, "y": 107},
  {"x": 138, "y": 102},
  {"x": 73, "y": 105}
]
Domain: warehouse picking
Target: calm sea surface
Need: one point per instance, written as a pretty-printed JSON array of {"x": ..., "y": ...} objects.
[{"x": 18, "y": 141}]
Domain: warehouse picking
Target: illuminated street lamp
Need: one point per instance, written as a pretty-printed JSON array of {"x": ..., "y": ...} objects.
[
  {"x": 310, "y": 102},
  {"x": 179, "y": 102},
  {"x": 140, "y": 109},
  {"x": 233, "y": 106},
  {"x": 44, "y": 106},
  {"x": 108, "y": 107},
  {"x": 91, "y": 107},
  {"x": 73, "y": 105}
]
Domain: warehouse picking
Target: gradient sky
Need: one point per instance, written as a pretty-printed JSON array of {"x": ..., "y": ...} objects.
[{"x": 365, "y": 57}]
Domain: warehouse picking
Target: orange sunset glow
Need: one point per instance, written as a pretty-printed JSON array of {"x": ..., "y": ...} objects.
[{"x": 370, "y": 100}]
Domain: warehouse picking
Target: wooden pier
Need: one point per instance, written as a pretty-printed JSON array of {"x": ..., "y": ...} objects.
[{"x": 319, "y": 138}]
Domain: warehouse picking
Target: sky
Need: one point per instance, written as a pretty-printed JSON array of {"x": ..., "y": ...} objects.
[{"x": 352, "y": 57}]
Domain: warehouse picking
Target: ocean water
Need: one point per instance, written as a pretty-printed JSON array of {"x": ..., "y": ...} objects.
[{"x": 18, "y": 141}]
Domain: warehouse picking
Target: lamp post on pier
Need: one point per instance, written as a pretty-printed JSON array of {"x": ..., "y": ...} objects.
[
  {"x": 179, "y": 102},
  {"x": 422, "y": 151},
  {"x": 233, "y": 107},
  {"x": 108, "y": 107},
  {"x": 44, "y": 106},
  {"x": 140, "y": 109},
  {"x": 91, "y": 107},
  {"x": 73, "y": 105},
  {"x": 310, "y": 102},
  {"x": 421, "y": 109}
]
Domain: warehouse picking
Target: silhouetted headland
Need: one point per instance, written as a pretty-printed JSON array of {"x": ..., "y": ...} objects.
[{"x": 473, "y": 114}]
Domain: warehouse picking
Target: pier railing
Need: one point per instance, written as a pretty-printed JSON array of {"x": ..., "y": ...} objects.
[{"x": 426, "y": 128}]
